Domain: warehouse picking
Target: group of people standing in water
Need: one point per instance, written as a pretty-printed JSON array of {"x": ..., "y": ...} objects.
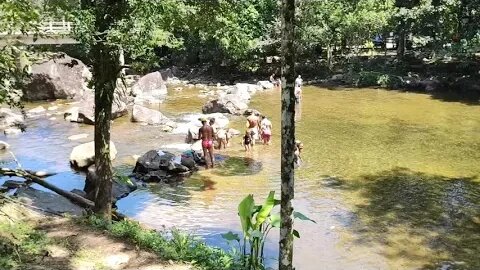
[
  {"x": 298, "y": 86},
  {"x": 258, "y": 127}
]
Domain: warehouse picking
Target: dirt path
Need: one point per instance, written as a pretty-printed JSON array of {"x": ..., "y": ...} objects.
[{"x": 73, "y": 246}]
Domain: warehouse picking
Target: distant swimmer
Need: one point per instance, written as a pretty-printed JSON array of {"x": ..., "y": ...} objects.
[{"x": 205, "y": 133}]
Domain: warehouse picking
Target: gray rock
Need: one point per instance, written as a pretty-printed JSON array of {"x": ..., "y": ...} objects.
[
  {"x": 4, "y": 145},
  {"x": 62, "y": 77},
  {"x": 10, "y": 119},
  {"x": 152, "y": 117},
  {"x": 119, "y": 189},
  {"x": 11, "y": 184},
  {"x": 83, "y": 155},
  {"x": 150, "y": 88},
  {"x": 86, "y": 113},
  {"x": 161, "y": 166},
  {"x": 48, "y": 201},
  {"x": 265, "y": 84},
  {"x": 228, "y": 104},
  {"x": 12, "y": 131}
]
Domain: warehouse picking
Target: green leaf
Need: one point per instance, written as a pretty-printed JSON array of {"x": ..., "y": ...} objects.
[
  {"x": 275, "y": 220},
  {"x": 302, "y": 217},
  {"x": 296, "y": 233},
  {"x": 245, "y": 210},
  {"x": 265, "y": 210},
  {"x": 231, "y": 236}
]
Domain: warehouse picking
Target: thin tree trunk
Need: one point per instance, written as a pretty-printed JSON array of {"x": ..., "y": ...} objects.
[
  {"x": 401, "y": 40},
  {"x": 105, "y": 71},
  {"x": 288, "y": 135}
]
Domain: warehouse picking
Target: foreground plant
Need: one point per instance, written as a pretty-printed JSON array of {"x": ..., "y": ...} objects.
[
  {"x": 170, "y": 245},
  {"x": 257, "y": 221}
]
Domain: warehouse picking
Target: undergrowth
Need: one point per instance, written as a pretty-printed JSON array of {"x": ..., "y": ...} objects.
[
  {"x": 173, "y": 245},
  {"x": 19, "y": 243}
]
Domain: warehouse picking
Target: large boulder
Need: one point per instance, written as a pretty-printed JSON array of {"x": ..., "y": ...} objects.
[
  {"x": 151, "y": 88},
  {"x": 119, "y": 189},
  {"x": 83, "y": 155},
  {"x": 265, "y": 84},
  {"x": 85, "y": 113},
  {"x": 161, "y": 166},
  {"x": 152, "y": 117},
  {"x": 227, "y": 104},
  {"x": 11, "y": 120},
  {"x": 62, "y": 77}
]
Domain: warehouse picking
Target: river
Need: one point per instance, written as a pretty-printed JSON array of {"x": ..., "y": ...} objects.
[{"x": 390, "y": 178}]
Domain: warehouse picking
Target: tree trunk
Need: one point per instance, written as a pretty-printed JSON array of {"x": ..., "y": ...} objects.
[
  {"x": 402, "y": 36},
  {"x": 288, "y": 135},
  {"x": 105, "y": 71}
]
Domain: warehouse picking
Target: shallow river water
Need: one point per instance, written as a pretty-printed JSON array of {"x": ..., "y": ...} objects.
[{"x": 390, "y": 178}]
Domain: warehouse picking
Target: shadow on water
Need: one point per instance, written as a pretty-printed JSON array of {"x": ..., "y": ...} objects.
[
  {"x": 419, "y": 217},
  {"x": 234, "y": 166}
]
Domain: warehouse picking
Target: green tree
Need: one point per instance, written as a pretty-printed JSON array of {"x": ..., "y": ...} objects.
[
  {"x": 288, "y": 135},
  {"x": 16, "y": 16},
  {"x": 106, "y": 68}
]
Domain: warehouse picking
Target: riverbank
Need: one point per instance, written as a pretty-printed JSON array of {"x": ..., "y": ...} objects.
[{"x": 33, "y": 239}]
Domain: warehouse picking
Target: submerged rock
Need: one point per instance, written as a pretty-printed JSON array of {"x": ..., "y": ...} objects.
[
  {"x": 83, "y": 155},
  {"x": 48, "y": 201},
  {"x": 78, "y": 137},
  {"x": 39, "y": 109},
  {"x": 62, "y": 77}
]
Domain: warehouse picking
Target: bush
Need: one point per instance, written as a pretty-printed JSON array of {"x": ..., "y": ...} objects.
[{"x": 173, "y": 245}]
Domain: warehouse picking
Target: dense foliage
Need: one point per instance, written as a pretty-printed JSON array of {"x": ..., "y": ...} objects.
[{"x": 16, "y": 16}]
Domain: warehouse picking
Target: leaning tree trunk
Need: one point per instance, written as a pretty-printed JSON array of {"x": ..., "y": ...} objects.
[
  {"x": 288, "y": 135},
  {"x": 105, "y": 71}
]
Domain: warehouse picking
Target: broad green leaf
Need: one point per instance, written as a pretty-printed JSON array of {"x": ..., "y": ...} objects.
[
  {"x": 275, "y": 220},
  {"x": 302, "y": 217},
  {"x": 296, "y": 233},
  {"x": 265, "y": 210},
  {"x": 245, "y": 210},
  {"x": 230, "y": 236}
]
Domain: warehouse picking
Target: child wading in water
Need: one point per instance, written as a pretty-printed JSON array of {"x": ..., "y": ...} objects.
[{"x": 247, "y": 141}]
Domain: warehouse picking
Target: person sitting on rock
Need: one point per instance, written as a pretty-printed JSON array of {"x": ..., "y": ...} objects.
[{"x": 205, "y": 133}]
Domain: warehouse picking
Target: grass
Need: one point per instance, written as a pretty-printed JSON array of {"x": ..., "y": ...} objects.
[
  {"x": 174, "y": 245},
  {"x": 19, "y": 243}
]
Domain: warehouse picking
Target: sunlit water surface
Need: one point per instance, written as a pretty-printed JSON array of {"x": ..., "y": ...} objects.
[{"x": 390, "y": 178}]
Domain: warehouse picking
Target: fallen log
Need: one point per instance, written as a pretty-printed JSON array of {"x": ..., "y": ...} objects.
[{"x": 29, "y": 177}]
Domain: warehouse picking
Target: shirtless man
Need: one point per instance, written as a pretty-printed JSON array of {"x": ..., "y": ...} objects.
[
  {"x": 253, "y": 126},
  {"x": 205, "y": 133}
]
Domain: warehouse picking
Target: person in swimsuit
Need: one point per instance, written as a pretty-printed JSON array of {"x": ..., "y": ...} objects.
[
  {"x": 222, "y": 138},
  {"x": 266, "y": 129},
  {"x": 253, "y": 127},
  {"x": 205, "y": 133},
  {"x": 247, "y": 141}
]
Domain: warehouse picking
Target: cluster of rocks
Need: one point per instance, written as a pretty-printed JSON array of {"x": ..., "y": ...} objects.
[
  {"x": 235, "y": 99},
  {"x": 165, "y": 167}
]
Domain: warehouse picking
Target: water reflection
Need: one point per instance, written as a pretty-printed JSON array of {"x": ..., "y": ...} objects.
[{"x": 425, "y": 221}]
